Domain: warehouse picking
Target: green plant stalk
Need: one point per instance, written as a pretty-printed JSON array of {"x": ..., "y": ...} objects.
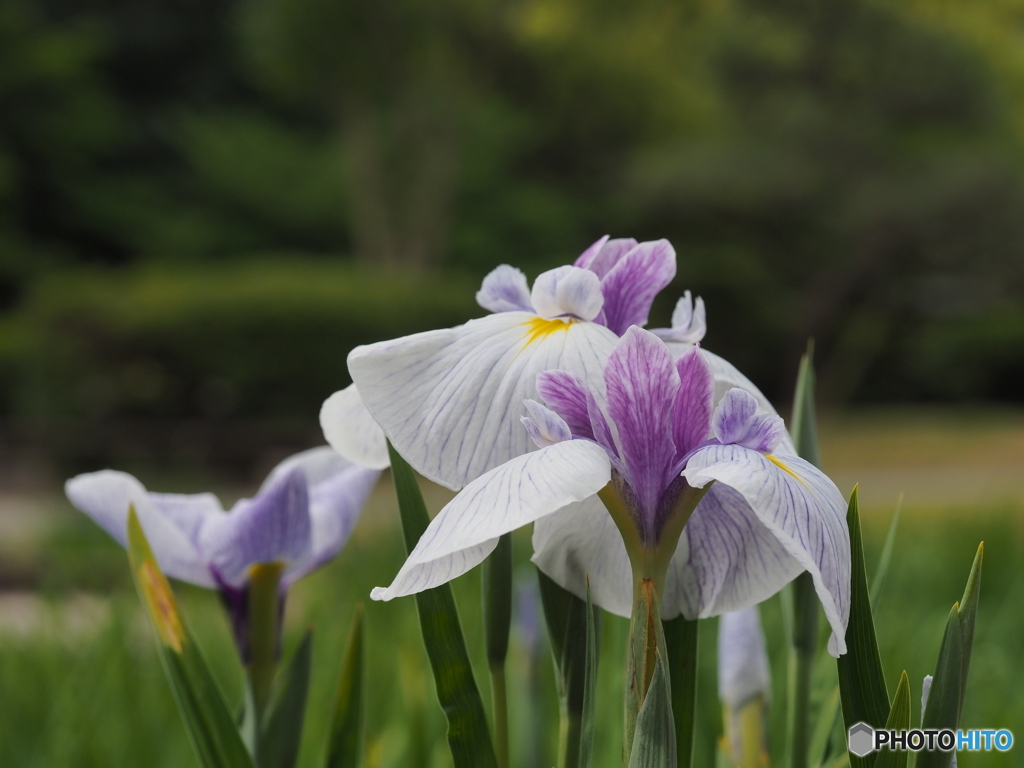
[
  {"x": 805, "y": 649},
  {"x": 264, "y": 606},
  {"x": 497, "y": 598},
  {"x": 682, "y": 649}
]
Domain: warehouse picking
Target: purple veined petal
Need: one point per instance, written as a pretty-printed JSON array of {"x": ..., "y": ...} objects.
[
  {"x": 581, "y": 541},
  {"x": 351, "y": 430},
  {"x": 641, "y": 384},
  {"x": 630, "y": 286},
  {"x": 106, "y": 496},
  {"x": 689, "y": 322},
  {"x": 691, "y": 411},
  {"x": 737, "y": 421},
  {"x": 272, "y": 527},
  {"x": 451, "y": 400},
  {"x": 743, "y": 670},
  {"x": 505, "y": 290},
  {"x": 585, "y": 259},
  {"x": 567, "y": 292},
  {"x": 544, "y": 425},
  {"x": 610, "y": 253},
  {"x": 798, "y": 504},
  {"x": 566, "y": 395},
  {"x": 517, "y": 493}
]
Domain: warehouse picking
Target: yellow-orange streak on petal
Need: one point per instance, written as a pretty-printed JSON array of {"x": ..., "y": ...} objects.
[
  {"x": 778, "y": 463},
  {"x": 538, "y": 328},
  {"x": 163, "y": 609}
]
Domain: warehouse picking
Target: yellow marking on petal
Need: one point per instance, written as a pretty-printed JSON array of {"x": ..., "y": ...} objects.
[
  {"x": 162, "y": 608},
  {"x": 778, "y": 463},
  {"x": 539, "y": 328}
]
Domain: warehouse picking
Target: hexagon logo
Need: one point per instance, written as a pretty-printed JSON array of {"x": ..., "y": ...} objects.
[{"x": 861, "y": 739}]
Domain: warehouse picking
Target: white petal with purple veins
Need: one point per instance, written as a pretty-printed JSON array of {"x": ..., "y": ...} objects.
[
  {"x": 567, "y": 292},
  {"x": 802, "y": 509},
  {"x": 505, "y": 290},
  {"x": 689, "y": 322},
  {"x": 451, "y": 400},
  {"x": 351, "y": 430},
  {"x": 515, "y": 494},
  {"x": 544, "y": 425}
]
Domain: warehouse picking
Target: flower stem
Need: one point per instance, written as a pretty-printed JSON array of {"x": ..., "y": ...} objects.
[
  {"x": 682, "y": 648},
  {"x": 497, "y": 596},
  {"x": 264, "y": 610},
  {"x": 805, "y": 646},
  {"x": 646, "y": 637}
]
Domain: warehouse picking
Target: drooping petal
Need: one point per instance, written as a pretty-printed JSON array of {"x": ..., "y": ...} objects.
[
  {"x": 691, "y": 411},
  {"x": 630, "y": 286},
  {"x": 451, "y": 400},
  {"x": 351, "y": 430},
  {"x": 798, "y": 504},
  {"x": 641, "y": 384},
  {"x": 519, "y": 492},
  {"x": 566, "y": 395},
  {"x": 743, "y": 671},
  {"x": 737, "y": 421},
  {"x": 544, "y": 425},
  {"x": 505, "y": 290},
  {"x": 106, "y": 496},
  {"x": 567, "y": 292},
  {"x": 274, "y": 526},
  {"x": 689, "y": 322},
  {"x": 605, "y": 254},
  {"x": 317, "y": 465}
]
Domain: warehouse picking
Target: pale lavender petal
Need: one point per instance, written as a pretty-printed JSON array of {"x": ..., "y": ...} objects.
[
  {"x": 689, "y": 322},
  {"x": 106, "y": 497},
  {"x": 585, "y": 259},
  {"x": 743, "y": 671},
  {"x": 737, "y": 422},
  {"x": 567, "y": 292},
  {"x": 799, "y": 505},
  {"x": 317, "y": 465},
  {"x": 641, "y": 383},
  {"x": 691, "y": 412},
  {"x": 607, "y": 256},
  {"x": 505, "y": 290},
  {"x": 451, "y": 400},
  {"x": 272, "y": 527},
  {"x": 566, "y": 395},
  {"x": 544, "y": 425},
  {"x": 351, "y": 430},
  {"x": 630, "y": 286}
]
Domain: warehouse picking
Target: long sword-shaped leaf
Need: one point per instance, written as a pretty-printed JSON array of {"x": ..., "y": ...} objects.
[
  {"x": 589, "y": 687},
  {"x": 281, "y": 733},
  {"x": 654, "y": 741},
  {"x": 497, "y": 599},
  {"x": 209, "y": 723},
  {"x": 943, "y": 708},
  {"x": 344, "y": 748},
  {"x": 469, "y": 738},
  {"x": 968, "y": 612},
  {"x": 861, "y": 681},
  {"x": 681, "y": 650},
  {"x": 899, "y": 720},
  {"x": 886, "y": 557}
]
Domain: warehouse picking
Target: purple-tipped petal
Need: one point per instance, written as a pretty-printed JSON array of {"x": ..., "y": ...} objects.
[
  {"x": 691, "y": 412},
  {"x": 641, "y": 383},
  {"x": 601, "y": 261},
  {"x": 737, "y": 422},
  {"x": 505, "y": 290},
  {"x": 689, "y": 322},
  {"x": 585, "y": 259},
  {"x": 567, "y": 292},
  {"x": 630, "y": 286},
  {"x": 796, "y": 503},
  {"x": 544, "y": 425},
  {"x": 566, "y": 395},
  {"x": 274, "y": 526}
]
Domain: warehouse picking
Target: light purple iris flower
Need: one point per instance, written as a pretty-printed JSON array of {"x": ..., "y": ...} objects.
[
  {"x": 698, "y": 497},
  {"x": 450, "y": 400},
  {"x": 300, "y": 518}
]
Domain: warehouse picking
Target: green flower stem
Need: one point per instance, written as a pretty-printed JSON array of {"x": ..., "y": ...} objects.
[
  {"x": 805, "y": 648},
  {"x": 497, "y": 596},
  {"x": 264, "y": 633},
  {"x": 681, "y": 642}
]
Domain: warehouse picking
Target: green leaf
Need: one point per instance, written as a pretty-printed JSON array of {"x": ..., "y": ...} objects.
[
  {"x": 468, "y": 736},
  {"x": 497, "y": 600},
  {"x": 566, "y": 619},
  {"x": 899, "y": 720},
  {"x": 589, "y": 687},
  {"x": 344, "y": 748},
  {"x": 823, "y": 727},
  {"x": 968, "y": 612},
  {"x": 209, "y": 723},
  {"x": 654, "y": 741},
  {"x": 804, "y": 424},
  {"x": 886, "y": 556},
  {"x": 943, "y": 707},
  {"x": 681, "y": 650},
  {"x": 281, "y": 734},
  {"x": 861, "y": 681}
]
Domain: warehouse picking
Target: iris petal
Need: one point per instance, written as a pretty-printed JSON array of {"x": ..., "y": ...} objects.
[{"x": 351, "y": 430}]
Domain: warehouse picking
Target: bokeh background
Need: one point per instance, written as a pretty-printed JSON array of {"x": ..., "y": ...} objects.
[{"x": 205, "y": 205}]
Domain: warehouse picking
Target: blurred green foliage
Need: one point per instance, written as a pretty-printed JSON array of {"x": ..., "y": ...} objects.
[{"x": 844, "y": 169}]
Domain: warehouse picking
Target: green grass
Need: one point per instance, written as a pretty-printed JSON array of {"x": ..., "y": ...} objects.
[{"x": 96, "y": 696}]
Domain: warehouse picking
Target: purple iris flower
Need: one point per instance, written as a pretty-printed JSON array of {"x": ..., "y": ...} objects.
[
  {"x": 299, "y": 519},
  {"x": 698, "y": 499}
]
